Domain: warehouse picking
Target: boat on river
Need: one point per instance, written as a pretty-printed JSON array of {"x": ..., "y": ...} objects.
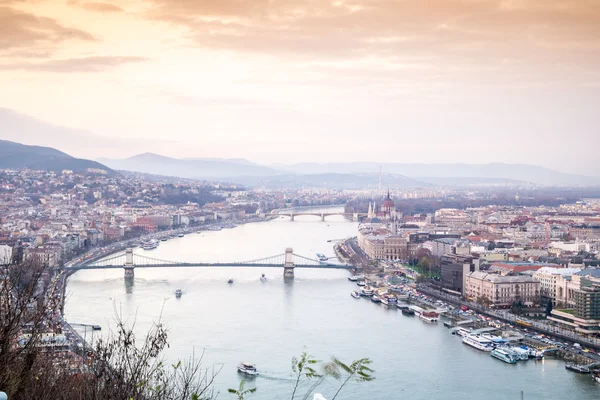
[
  {"x": 263, "y": 278},
  {"x": 322, "y": 257},
  {"x": 361, "y": 283},
  {"x": 389, "y": 300},
  {"x": 376, "y": 299},
  {"x": 478, "y": 342},
  {"x": 150, "y": 245},
  {"x": 366, "y": 291},
  {"x": 230, "y": 280},
  {"x": 355, "y": 294},
  {"x": 429, "y": 316},
  {"x": 408, "y": 312},
  {"x": 503, "y": 355},
  {"x": 178, "y": 293},
  {"x": 355, "y": 278},
  {"x": 247, "y": 368},
  {"x": 578, "y": 368},
  {"x": 597, "y": 377}
]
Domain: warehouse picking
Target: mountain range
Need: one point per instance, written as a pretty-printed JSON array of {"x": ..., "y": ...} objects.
[{"x": 17, "y": 156}]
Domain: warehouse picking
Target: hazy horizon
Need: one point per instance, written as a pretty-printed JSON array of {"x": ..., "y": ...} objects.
[{"x": 438, "y": 81}]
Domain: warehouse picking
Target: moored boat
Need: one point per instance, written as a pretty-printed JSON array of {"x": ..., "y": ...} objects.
[
  {"x": 355, "y": 294},
  {"x": 578, "y": 368},
  {"x": 366, "y": 291},
  {"x": 178, "y": 293},
  {"x": 389, "y": 300},
  {"x": 247, "y": 368},
  {"x": 597, "y": 377},
  {"x": 503, "y": 355},
  {"x": 408, "y": 312},
  {"x": 355, "y": 278},
  {"x": 181, "y": 235},
  {"x": 376, "y": 299},
  {"x": 322, "y": 257},
  {"x": 361, "y": 283},
  {"x": 429, "y": 316},
  {"x": 478, "y": 342}
]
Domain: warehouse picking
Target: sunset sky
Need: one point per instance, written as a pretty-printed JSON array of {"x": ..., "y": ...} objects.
[{"x": 290, "y": 81}]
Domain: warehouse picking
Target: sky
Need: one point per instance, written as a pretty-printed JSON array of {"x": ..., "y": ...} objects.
[{"x": 283, "y": 81}]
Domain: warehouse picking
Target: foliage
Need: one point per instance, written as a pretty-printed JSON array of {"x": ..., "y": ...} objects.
[
  {"x": 241, "y": 391},
  {"x": 358, "y": 371}
]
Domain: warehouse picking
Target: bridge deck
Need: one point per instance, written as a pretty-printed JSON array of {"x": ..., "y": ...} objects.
[{"x": 213, "y": 265}]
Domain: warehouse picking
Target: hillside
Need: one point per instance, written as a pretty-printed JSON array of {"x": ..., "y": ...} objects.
[
  {"x": 16, "y": 156},
  {"x": 188, "y": 168}
]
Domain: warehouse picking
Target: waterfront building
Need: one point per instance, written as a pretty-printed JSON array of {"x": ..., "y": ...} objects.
[
  {"x": 453, "y": 271},
  {"x": 555, "y": 284},
  {"x": 584, "y": 317},
  {"x": 502, "y": 291}
]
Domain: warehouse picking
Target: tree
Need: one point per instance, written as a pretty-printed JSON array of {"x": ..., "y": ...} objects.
[
  {"x": 358, "y": 371},
  {"x": 241, "y": 391},
  {"x": 304, "y": 370}
]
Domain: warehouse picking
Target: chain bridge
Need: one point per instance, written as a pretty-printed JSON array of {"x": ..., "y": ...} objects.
[{"x": 128, "y": 260}]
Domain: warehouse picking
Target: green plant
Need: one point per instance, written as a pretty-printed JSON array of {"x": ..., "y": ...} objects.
[{"x": 241, "y": 391}]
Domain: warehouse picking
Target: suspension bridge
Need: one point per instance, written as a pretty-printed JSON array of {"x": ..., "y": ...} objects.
[{"x": 129, "y": 261}]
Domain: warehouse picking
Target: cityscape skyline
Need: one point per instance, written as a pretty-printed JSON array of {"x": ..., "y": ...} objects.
[{"x": 308, "y": 81}]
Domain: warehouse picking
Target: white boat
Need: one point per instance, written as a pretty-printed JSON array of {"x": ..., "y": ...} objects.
[
  {"x": 429, "y": 316},
  {"x": 503, "y": 355},
  {"x": 230, "y": 280},
  {"x": 178, "y": 293},
  {"x": 520, "y": 354},
  {"x": 355, "y": 294},
  {"x": 355, "y": 278},
  {"x": 361, "y": 283},
  {"x": 247, "y": 368},
  {"x": 322, "y": 257},
  {"x": 366, "y": 291},
  {"x": 597, "y": 377},
  {"x": 150, "y": 245},
  {"x": 181, "y": 235},
  {"x": 462, "y": 332},
  {"x": 478, "y": 342},
  {"x": 389, "y": 300},
  {"x": 263, "y": 278}
]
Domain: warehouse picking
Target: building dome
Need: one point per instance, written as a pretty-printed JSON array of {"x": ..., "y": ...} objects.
[{"x": 388, "y": 203}]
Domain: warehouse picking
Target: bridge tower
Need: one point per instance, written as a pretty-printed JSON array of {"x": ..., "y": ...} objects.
[
  {"x": 292, "y": 217},
  {"x": 355, "y": 217},
  {"x": 128, "y": 266},
  {"x": 322, "y": 217},
  {"x": 288, "y": 266}
]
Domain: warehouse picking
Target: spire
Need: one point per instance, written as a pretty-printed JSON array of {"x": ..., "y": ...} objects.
[{"x": 389, "y": 194}]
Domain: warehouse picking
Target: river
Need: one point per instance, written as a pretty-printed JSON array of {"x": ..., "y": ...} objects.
[{"x": 268, "y": 323}]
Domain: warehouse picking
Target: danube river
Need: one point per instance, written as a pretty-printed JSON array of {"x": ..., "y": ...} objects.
[{"x": 269, "y": 322}]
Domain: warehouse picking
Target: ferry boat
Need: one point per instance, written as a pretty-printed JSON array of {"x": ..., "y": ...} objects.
[
  {"x": 597, "y": 377},
  {"x": 578, "y": 368},
  {"x": 178, "y": 293},
  {"x": 355, "y": 278},
  {"x": 520, "y": 354},
  {"x": 361, "y": 283},
  {"x": 408, "y": 312},
  {"x": 163, "y": 239},
  {"x": 181, "y": 235},
  {"x": 478, "y": 342},
  {"x": 402, "y": 306},
  {"x": 322, "y": 257},
  {"x": 230, "y": 280},
  {"x": 503, "y": 355},
  {"x": 150, "y": 245},
  {"x": 247, "y": 368},
  {"x": 263, "y": 278},
  {"x": 376, "y": 299},
  {"x": 430, "y": 316},
  {"x": 355, "y": 294},
  {"x": 462, "y": 332},
  {"x": 389, "y": 300},
  {"x": 366, "y": 291}
]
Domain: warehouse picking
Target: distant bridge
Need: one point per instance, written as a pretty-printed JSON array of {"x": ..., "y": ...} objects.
[
  {"x": 128, "y": 260},
  {"x": 323, "y": 215}
]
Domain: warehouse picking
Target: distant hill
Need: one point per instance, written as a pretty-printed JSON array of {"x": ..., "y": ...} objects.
[
  {"x": 330, "y": 181},
  {"x": 516, "y": 172},
  {"x": 16, "y": 156},
  {"x": 188, "y": 168}
]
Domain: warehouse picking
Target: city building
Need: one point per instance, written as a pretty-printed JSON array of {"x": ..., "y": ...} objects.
[{"x": 502, "y": 291}]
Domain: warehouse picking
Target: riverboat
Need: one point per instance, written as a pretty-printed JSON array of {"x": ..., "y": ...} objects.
[
  {"x": 376, "y": 299},
  {"x": 163, "y": 239},
  {"x": 578, "y": 368},
  {"x": 263, "y": 278},
  {"x": 361, "y": 283},
  {"x": 178, "y": 293},
  {"x": 462, "y": 332},
  {"x": 151, "y": 245},
  {"x": 597, "y": 377},
  {"x": 408, "y": 312},
  {"x": 478, "y": 342},
  {"x": 503, "y": 355},
  {"x": 389, "y": 300},
  {"x": 181, "y": 235},
  {"x": 402, "y": 306},
  {"x": 322, "y": 257},
  {"x": 230, "y": 280},
  {"x": 247, "y": 368},
  {"x": 355, "y": 294},
  {"x": 355, "y": 278},
  {"x": 430, "y": 316},
  {"x": 366, "y": 291}
]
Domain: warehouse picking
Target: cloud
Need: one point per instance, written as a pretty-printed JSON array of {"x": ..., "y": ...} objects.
[
  {"x": 19, "y": 29},
  {"x": 83, "y": 64},
  {"x": 97, "y": 6}
]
